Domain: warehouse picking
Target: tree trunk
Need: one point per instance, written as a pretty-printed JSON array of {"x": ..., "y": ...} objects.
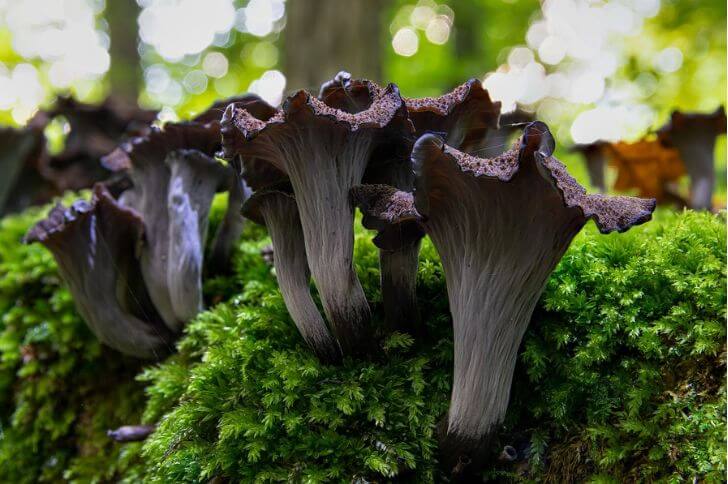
[
  {"x": 124, "y": 73},
  {"x": 323, "y": 37}
]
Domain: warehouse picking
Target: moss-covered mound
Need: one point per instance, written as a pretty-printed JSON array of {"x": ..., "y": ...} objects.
[{"x": 621, "y": 375}]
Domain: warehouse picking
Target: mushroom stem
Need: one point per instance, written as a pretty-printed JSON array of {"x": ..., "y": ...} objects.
[
  {"x": 500, "y": 226},
  {"x": 327, "y": 219},
  {"x": 398, "y": 276},
  {"x": 693, "y": 134},
  {"x": 697, "y": 152},
  {"x": 131, "y": 433},
  {"x": 231, "y": 227},
  {"x": 189, "y": 200},
  {"x": 95, "y": 247},
  {"x": 279, "y": 213},
  {"x": 325, "y": 152}
]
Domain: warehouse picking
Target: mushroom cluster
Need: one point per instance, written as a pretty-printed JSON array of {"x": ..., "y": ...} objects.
[
  {"x": 33, "y": 176},
  {"x": 412, "y": 166},
  {"x": 134, "y": 260}
]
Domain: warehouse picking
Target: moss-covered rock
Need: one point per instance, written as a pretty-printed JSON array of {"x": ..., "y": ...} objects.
[{"x": 620, "y": 375}]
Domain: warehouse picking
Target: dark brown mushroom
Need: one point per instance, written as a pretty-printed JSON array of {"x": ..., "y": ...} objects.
[
  {"x": 398, "y": 240},
  {"x": 324, "y": 151},
  {"x": 500, "y": 226},
  {"x": 463, "y": 116},
  {"x": 248, "y": 174},
  {"x": 174, "y": 178},
  {"x": 95, "y": 245},
  {"x": 596, "y": 162},
  {"x": 693, "y": 134},
  {"x": 251, "y": 102},
  {"x": 22, "y": 157},
  {"x": 276, "y": 209},
  {"x": 500, "y": 140},
  {"x": 94, "y": 130}
]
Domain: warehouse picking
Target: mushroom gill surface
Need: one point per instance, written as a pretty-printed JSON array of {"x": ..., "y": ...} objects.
[
  {"x": 95, "y": 245},
  {"x": 500, "y": 226},
  {"x": 276, "y": 208},
  {"x": 693, "y": 135},
  {"x": 324, "y": 151},
  {"x": 174, "y": 179}
]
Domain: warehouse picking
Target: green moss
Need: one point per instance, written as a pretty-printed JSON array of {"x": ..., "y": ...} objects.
[{"x": 621, "y": 374}]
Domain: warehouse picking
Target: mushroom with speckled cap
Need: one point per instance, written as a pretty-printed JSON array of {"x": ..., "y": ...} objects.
[
  {"x": 95, "y": 245},
  {"x": 324, "y": 151},
  {"x": 174, "y": 179},
  {"x": 275, "y": 208},
  {"x": 500, "y": 226},
  {"x": 463, "y": 117},
  {"x": 693, "y": 134}
]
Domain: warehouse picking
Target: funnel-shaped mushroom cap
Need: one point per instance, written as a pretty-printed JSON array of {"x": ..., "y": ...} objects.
[
  {"x": 324, "y": 151},
  {"x": 500, "y": 226},
  {"x": 276, "y": 208},
  {"x": 174, "y": 180},
  {"x": 499, "y": 140},
  {"x": 463, "y": 116},
  {"x": 391, "y": 213},
  {"x": 693, "y": 134},
  {"x": 95, "y": 245},
  {"x": 251, "y": 102}
]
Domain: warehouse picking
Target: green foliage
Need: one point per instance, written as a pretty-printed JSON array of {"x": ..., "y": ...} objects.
[
  {"x": 59, "y": 389},
  {"x": 626, "y": 355},
  {"x": 620, "y": 376}
]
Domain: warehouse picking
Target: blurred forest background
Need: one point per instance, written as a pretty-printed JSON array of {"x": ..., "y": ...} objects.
[{"x": 592, "y": 69}]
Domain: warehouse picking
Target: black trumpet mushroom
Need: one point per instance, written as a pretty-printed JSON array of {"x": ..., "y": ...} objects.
[
  {"x": 693, "y": 134},
  {"x": 500, "y": 226},
  {"x": 96, "y": 245},
  {"x": 596, "y": 162},
  {"x": 324, "y": 151},
  {"x": 22, "y": 162},
  {"x": 174, "y": 179},
  {"x": 463, "y": 116},
  {"x": 275, "y": 208},
  {"x": 498, "y": 140}
]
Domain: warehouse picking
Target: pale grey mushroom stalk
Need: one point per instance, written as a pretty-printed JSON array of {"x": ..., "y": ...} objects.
[
  {"x": 232, "y": 225},
  {"x": 96, "y": 246},
  {"x": 694, "y": 137},
  {"x": 500, "y": 226},
  {"x": 276, "y": 208},
  {"x": 174, "y": 178},
  {"x": 324, "y": 151}
]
